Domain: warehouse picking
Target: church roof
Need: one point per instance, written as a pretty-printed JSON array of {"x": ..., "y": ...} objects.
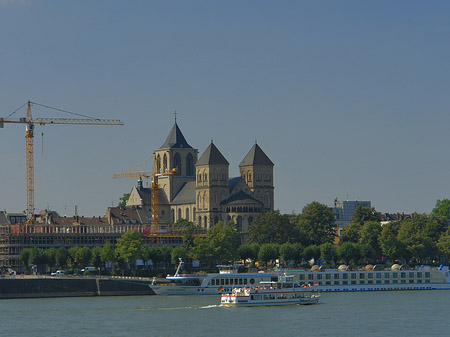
[
  {"x": 212, "y": 156},
  {"x": 186, "y": 195},
  {"x": 256, "y": 156},
  {"x": 240, "y": 198},
  {"x": 175, "y": 139}
]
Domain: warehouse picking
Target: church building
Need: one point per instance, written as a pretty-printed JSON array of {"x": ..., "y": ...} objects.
[{"x": 202, "y": 191}]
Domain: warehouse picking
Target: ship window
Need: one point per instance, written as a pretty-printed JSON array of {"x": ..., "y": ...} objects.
[
  {"x": 386, "y": 281},
  {"x": 245, "y": 281},
  {"x": 336, "y": 282},
  {"x": 370, "y": 276},
  {"x": 378, "y": 276},
  {"x": 328, "y": 276},
  {"x": 231, "y": 281},
  {"x": 419, "y": 281},
  {"x": 361, "y": 282},
  {"x": 240, "y": 281},
  {"x": 427, "y": 280},
  {"x": 353, "y": 276},
  {"x": 419, "y": 274},
  {"x": 301, "y": 277},
  {"x": 402, "y": 275},
  {"x": 427, "y": 274},
  {"x": 319, "y": 276},
  {"x": 386, "y": 275},
  {"x": 395, "y": 275},
  {"x": 310, "y": 277},
  {"x": 252, "y": 281},
  {"x": 378, "y": 281},
  {"x": 227, "y": 282},
  {"x": 370, "y": 282},
  {"x": 361, "y": 275},
  {"x": 222, "y": 282},
  {"x": 345, "y": 276},
  {"x": 236, "y": 281},
  {"x": 336, "y": 276},
  {"x": 394, "y": 281},
  {"x": 411, "y": 275},
  {"x": 353, "y": 282}
]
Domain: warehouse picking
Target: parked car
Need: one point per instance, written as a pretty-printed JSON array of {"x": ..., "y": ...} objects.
[
  {"x": 58, "y": 273},
  {"x": 89, "y": 269}
]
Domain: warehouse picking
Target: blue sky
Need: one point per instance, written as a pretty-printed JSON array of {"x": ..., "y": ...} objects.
[{"x": 348, "y": 98}]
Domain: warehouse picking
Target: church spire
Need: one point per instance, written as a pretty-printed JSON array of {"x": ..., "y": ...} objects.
[{"x": 175, "y": 139}]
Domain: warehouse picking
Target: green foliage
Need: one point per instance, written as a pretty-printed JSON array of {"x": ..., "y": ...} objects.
[
  {"x": 328, "y": 252},
  {"x": 107, "y": 253},
  {"x": 272, "y": 227},
  {"x": 129, "y": 247},
  {"x": 369, "y": 239},
  {"x": 349, "y": 252},
  {"x": 441, "y": 209},
  {"x": 288, "y": 252},
  {"x": 444, "y": 244},
  {"x": 96, "y": 257},
  {"x": 316, "y": 224},
  {"x": 248, "y": 251},
  {"x": 24, "y": 257},
  {"x": 61, "y": 257},
  {"x": 390, "y": 245},
  {"x": 123, "y": 200},
  {"x": 364, "y": 214},
  {"x": 351, "y": 233},
  {"x": 312, "y": 252},
  {"x": 268, "y": 252},
  {"x": 177, "y": 253}
]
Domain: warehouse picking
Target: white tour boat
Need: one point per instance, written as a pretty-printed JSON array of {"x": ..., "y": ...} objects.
[{"x": 284, "y": 291}]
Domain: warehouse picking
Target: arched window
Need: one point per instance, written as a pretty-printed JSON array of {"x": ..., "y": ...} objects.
[
  {"x": 249, "y": 176},
  {"x": 205, "y": 177},
  {"x": 187, "y": 213},
  {"x": 216, "y": 219},
  {"x": 173, "y": 215},
  {"x": 194, "y": 213},
  {"x": 200, "y": 221},
  {"x": 239, "y": 223},
  {"x": 199, "y": 177},
  {"x": 190, "y": 165},
  {"x": 206, "y": 221},
  {"x": 177, "y": 162},
  {"x": 158, "y": 163},
  {"x": 164, "y": 168},
  {"x": 199, "y": 201},
  {"x": 162, "y": 214},
  {"x": 179, "y": 214}
]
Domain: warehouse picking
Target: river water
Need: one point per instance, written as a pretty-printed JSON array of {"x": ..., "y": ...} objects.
[{"x": 403, "y": 313}]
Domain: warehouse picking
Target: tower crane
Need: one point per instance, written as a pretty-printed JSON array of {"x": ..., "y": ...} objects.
[
  {"x": 30, "y": 122},
  {"x": 154, "y": 189}
]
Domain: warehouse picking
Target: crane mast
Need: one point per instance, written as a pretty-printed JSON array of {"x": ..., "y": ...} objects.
[{"x": 29, "y": 136}]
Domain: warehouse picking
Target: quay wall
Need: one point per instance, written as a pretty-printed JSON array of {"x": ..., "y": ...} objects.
[{"x": 71, "y": 287}]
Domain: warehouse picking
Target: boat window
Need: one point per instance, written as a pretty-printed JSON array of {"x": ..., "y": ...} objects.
[
  {"x": 236, "y": 281},
  {"x": 378, "y": 276},
  {"x": 310, "y": 277},
  {"x": 395, "y": 275},
  {"x": 402, "y": 275},
  {"x": 411, "y": 274},
  {"x": 227, "y": 281},
  {"x": 222, "y": 281},
  {"x": 336, "y": 276},
  {"x": 419, "y": 274},
  {"x": 240, "y": 281},
  {"x": 301, "y": 277},
  {"x": 231, "y": 281},
  {"x": 245, "y": 281},
  {"x": 427, "y": 274},
  {"x": 353, "y": 276},
  {"x": 361, "y": 275},
  {"x": 252, "y": 281},
  {"x": 328, "y": 276},
  {"x": 386, "y": 275},
  {"x": 345, "y": 276},
  {"x": 370, "y": 276},
  {"x": 319, "y": 276}
]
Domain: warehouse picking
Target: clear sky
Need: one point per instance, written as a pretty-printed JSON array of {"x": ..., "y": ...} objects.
[{"x": 347, "y": 98}]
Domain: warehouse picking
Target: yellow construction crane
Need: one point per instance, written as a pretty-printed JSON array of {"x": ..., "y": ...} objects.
[
  {"x": 29, "y": 135},
  {"x": 154, "y": 189}
]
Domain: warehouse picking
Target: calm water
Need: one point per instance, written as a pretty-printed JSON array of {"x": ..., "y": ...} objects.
[{"x": 419, "y": 313}]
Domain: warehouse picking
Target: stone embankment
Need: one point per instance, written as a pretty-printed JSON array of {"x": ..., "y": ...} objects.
[{"x": 39, "y": 287}]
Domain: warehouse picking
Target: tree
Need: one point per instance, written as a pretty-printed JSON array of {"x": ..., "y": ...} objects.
[
  {"x": 288, "y": 252},
  {"x": 369, "y": 235},
  {"x": 349, "y": 252},
  {"x": 224, "y": 242},
  {"x": 24, "y": 257},
  {"x": 268, "y": 252},
  {"x": 351, "y": 233},
  {"x": 61, "y": 256},
  {"x": 129, "y": 247},
  {"x": 123, "y": 200},
  {"x": 50, "y": 257},
  {"x": 178, "y": 253},
  {"x": 96, "y": 257},
  {"x": 107, "y": 254},
  {"x": 444, "y": 244},
  {"x": 363, "y": 214},
  {"x": 317, "y": 223},
  {"x": 328, "y": 252},
  {"x": 272, "y": 227},
  {"x": 442, "y": 209},
  {"x": 390, "y": 245},
  {"x": 312, "y": 252},
  {"x": 248, "y": 251}
]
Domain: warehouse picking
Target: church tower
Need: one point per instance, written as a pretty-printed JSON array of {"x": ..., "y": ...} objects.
[
  {"x": 175, "y": 153},
  {"x": 257, "y": 171},
  {"x": 212, "y": 186}
]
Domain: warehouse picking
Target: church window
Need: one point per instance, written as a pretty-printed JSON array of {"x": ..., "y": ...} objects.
[
  {"x": 200, "y": 221},
  {"x": 206, "y": 222},
  {"x": 162, "y": 214},
  {"x": 158, "y": 163},
  {"x": 199, "y": 201},
  {"x": 249, "y": 176},
  {"x": 165, "y": 163},
  {"x": 173, "y": 215},
  {"x": 199, "y": 178},
  {"x": 216, "y": 219},
  {"x": 205, "y": 177},
  {"x": 194, "y": 211},
  {"x": 177, "y": 162},
  {"x": 179, "y": 213},
  {"x": 190, "y": 165},
  {"x": 187, "y": 213}
]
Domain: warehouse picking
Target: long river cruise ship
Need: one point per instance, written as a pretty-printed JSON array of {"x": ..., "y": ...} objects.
[{"x": 371, "y": 278}]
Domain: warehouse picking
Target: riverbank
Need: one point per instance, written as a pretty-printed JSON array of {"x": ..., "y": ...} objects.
[{"x": 45, "y": 287}]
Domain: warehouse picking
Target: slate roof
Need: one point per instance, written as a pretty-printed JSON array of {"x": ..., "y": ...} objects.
[
  {"x": 175, "y": 139},
  {"x": 256, "y": 156},
  {"x": 241, "y": 198},
  {"x": 212, "y": 156},
  {"x": 146, "y": 195},
  {"x": 233, "y": 182},
  {"x": 186, "y": 195}
]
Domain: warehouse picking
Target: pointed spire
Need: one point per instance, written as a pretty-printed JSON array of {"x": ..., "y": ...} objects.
[
  {"x": 212, "y": 156},
  {"x": 175, "y": 139},
  {"x": 256, "y": 156}
]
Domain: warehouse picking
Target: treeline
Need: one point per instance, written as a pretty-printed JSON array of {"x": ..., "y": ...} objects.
[{"x": 298, "y": 239}]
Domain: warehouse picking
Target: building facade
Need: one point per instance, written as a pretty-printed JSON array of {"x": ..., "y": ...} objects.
[{"x": 202, "y": 191}]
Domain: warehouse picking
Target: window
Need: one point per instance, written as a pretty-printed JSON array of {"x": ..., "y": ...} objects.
[{"x": 177, "y": 162}]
